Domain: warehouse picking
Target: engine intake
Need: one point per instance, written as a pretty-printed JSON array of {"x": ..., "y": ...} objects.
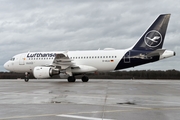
[{"x": 45, "y": 72}]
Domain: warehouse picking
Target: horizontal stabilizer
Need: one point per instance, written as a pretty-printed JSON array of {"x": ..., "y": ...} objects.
[{"x": 156, "y": 52}]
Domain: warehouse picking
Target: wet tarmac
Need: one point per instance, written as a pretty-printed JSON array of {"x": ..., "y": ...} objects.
[{"x": 95, "y": 100}]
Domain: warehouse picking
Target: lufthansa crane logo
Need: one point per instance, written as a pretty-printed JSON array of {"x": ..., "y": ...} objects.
[{"x": 153, "y": 38}]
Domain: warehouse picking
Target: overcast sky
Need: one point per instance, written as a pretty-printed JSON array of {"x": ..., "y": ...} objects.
[{"x": 51, "y": 25}]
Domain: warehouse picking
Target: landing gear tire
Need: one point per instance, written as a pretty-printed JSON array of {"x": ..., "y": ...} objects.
[
  {"x": 26, "y": 79},
  {"x": 85, "y": 79},
  {"x": 71, "y": 79}
]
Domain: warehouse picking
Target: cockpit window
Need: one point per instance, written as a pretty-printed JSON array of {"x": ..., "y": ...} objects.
[{"x": 12, "y": 59}]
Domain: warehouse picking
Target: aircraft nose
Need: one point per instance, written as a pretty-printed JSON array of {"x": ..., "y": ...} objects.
[{"x": 6, "y": 66}]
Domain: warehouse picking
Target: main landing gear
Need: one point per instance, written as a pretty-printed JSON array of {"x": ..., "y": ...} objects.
[
  {"x": 26, "y": 79},
  {"x": 73, "y": 79},
  {"x": 85, "y": 79}
]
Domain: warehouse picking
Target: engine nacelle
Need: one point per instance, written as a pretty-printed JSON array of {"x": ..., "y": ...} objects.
[{"x": 45, "y": 72}]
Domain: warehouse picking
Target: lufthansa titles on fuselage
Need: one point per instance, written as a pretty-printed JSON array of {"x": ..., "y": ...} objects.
[{"x": 41, "y": 55}]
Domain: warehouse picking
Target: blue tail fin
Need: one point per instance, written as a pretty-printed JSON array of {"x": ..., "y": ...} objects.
[{"x": 153, "y": 38}]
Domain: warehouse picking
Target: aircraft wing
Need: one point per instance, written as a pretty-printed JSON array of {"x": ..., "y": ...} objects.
[
  {"x": 156, "y": 52},
  {"x": 62, "y": 61}
]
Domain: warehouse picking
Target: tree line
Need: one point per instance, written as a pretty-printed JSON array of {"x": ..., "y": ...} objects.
[{"x": 138, "y": 74}]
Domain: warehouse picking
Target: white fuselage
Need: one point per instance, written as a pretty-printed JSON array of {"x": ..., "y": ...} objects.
[{"x": 102, "y": 60}]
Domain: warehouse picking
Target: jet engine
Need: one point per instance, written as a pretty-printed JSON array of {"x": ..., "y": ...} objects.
[{"x": 45, "y": 72}]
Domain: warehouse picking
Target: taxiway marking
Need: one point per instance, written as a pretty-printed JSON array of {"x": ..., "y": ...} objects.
[
  {"x": 81, "y": 117},
  {"x": 90, "y": 112},
  {"x": 162, "y": 101}
]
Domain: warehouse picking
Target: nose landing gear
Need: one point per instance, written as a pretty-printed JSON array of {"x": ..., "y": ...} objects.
[{"x": 26, "y": 79}]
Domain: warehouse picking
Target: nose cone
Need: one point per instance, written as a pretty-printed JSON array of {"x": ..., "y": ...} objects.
[{"x": 6, "y": 66}]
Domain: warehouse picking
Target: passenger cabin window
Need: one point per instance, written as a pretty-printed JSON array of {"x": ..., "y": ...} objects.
[{"x": 89, "y": 57}]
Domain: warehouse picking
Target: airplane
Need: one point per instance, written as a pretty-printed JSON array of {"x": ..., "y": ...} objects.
[{"x": 68, "y": 64}]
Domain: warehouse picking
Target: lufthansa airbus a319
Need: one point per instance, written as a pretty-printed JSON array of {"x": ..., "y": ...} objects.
[{"x": 72, "y": 63}]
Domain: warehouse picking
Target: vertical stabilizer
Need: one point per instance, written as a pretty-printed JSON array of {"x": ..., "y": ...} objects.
[{"x": 153, "y": 38}]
